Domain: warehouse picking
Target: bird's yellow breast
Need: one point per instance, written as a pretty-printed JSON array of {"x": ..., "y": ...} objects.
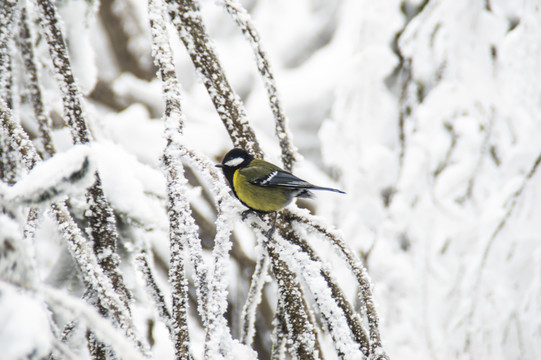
[{"x": 259, "y": 198}]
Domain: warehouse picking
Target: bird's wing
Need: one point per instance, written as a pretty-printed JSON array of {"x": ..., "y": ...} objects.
[
  {"x": 276, "y": 178},
  {"x": 282, "y": 179}
]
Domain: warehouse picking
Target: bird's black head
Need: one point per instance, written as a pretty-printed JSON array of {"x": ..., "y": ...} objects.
[{"x": 233, "y": 160}]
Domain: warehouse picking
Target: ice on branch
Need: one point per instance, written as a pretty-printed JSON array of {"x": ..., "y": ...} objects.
[{"x": 68, "y": 173}]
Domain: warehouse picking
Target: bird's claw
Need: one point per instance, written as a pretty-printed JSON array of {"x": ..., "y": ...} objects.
[{"x": 245, "y": 214}]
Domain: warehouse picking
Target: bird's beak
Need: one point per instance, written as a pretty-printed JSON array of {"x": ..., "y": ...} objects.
[{"x": 219, "y": 166}]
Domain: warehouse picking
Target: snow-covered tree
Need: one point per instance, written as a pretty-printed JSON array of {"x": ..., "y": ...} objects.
[{"x": 120, "y": 239}]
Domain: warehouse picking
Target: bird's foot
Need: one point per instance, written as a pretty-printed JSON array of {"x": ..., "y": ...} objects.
[{"x": 245, "y": 214}]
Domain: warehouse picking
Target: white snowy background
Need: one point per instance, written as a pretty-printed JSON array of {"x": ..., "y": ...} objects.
[{"x": 426, "y": 113}]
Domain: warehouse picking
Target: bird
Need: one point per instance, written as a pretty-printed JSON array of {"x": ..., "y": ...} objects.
[{"x": 262, "y": 186}]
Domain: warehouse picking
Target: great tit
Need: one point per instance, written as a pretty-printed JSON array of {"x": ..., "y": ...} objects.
[{"x": 262, "y": 186}]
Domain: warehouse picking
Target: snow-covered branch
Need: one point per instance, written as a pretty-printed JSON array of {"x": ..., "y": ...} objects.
[
  {"x": 243, "y": 20},
  {"x": 357, "y": 269},
  {"x": 186, "y": 17},
  {"x": 25, "y": 43},
  {"x": 259, "y": 277},
  {"x": 182, "y": 229},
  {"x": 85, "y": 258},
  {"x": 71, "y": 94}
]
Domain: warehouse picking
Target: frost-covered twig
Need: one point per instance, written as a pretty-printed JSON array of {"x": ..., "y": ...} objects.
[
  {"x": 218, "y": 337},
  {"x": 297, "y": 317},
  {"x": 17, "y": 137},
  {"x": 92, "y": 273},
  {"x": 253, "y": 299},
  {"x": 102, "y": 229},
  {"x": 182, "y": 228},
  {"x": 8, "y": 10},
  {"x": 186, "y": 17},
  {"x": 279, "y": 333},
  {"x": 243, "y": 20},
  {"x": 154, "y": 290},
  {"x": 358, "y": 271},
  {"x": 64, "y": 303},
  {"x": 336, "y": 294},
  {"x": 25, "y": 43},
  {"x": 301, "y": 331},
  {"x": 218, "y": 333},
  {"x": 102, "y": 223},
  {"x": 8, "y": 15},
  {"x": 71, "y": 94},
  {"x": 344, "y": 325},
  {"x": 94, "y": 276}
]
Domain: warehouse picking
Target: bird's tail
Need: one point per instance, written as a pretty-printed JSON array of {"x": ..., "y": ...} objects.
[{"x": 326, "y": 189}]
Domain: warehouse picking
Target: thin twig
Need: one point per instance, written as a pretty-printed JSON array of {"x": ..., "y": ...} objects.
[
  {"x": 92, "y": 273},
  {"x": 154, "y": 290},
  {"x": 25, "y": 43},
  {"x": 243, "y": 20},
  {"x": 354, "y": 323},
  {"x": 253, "y": 299},
  {"x": 358, "y": 271},
  {"x": 186, "y": 17}
]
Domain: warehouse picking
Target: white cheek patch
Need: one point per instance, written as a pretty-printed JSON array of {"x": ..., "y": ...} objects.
[{"x": 234, "y": 162}]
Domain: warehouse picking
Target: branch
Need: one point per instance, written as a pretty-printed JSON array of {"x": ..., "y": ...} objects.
[
  {"x": 25, "y": 43},
  {"x": 92, "y": 273},
  {"x": 154, "y": 290},
  {"x": 253, "y": 299},
  {"x": 358, "y": 271},
  {"x": 8, "y": 14},
  {"x": 243, "y": 20},
  {"x": 101, "y": 218},
  {"x": 71, "y": 94},
  {"x": 186, "y": 17},
  {"x": 77, "y": 308},
  {"x": 298, "y": 320},
  {"x": 336, "y": 294},
  {"x": 182, "y": 228}
]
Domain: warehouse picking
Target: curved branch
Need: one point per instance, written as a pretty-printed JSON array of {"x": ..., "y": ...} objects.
[
  {"x": 243, "y": 20},
  {"x": 186, "y": 17}
]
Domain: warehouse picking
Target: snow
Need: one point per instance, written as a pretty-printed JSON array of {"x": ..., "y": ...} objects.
[
  {"x": 425, "y": 113},
  {"x": 25, "y": 325},
  {"x": 68, "y": 173}
]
